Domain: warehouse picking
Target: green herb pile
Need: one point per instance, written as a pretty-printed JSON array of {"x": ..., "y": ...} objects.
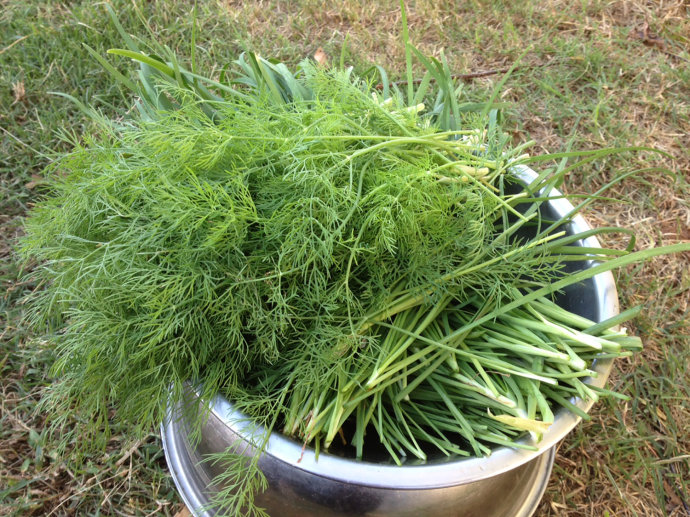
[{"x": 333, "y": 257}]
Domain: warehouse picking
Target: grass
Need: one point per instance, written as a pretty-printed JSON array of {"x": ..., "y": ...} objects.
[{"x": 597, "y": 74}]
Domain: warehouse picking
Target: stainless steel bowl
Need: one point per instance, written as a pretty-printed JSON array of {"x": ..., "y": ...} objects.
[{"x": 509, "y": 483}]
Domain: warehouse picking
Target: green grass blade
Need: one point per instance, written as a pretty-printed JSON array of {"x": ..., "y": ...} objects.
[
  {"x": 142, "y": 58},
  {"x": 111, "y": 69}
]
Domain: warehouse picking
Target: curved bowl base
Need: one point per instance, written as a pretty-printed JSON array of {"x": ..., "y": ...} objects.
[{"x": 293, "y": 492}]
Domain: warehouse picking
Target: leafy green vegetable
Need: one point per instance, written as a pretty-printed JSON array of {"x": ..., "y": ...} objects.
[{"x": 327, "y": 256}]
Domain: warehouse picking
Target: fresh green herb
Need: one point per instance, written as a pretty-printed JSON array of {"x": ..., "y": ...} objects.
[{"x": 321, "y": 253}]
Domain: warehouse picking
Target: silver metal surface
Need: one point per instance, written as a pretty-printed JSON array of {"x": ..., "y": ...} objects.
[
  {"x": 295, "y": 492},
  {"x": 508, "y": 483}
]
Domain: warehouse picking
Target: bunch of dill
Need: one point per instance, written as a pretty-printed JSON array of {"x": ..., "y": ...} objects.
[{"x": 183, "y": 249}]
